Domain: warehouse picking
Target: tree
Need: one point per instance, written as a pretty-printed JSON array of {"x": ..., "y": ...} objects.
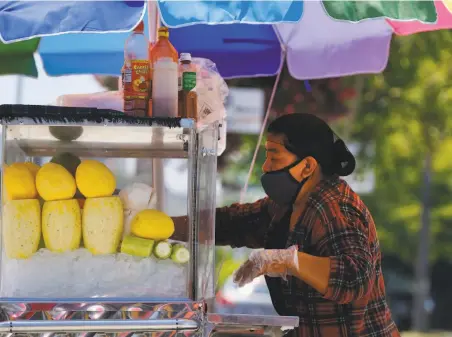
[
  {"x": 325, "y": 98},
  {"x": 405, "y": 115}
]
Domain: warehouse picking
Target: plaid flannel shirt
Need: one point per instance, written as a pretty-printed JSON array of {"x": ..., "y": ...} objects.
[{"x": 335, "y": 224}]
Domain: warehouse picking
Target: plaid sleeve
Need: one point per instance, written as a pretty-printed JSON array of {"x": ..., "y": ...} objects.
[
  {"x": 352, "y": 269},
  {"x": 242, "y": 225}
]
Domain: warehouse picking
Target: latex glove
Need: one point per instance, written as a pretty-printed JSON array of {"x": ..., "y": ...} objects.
[{"x": 270, "y": 262}]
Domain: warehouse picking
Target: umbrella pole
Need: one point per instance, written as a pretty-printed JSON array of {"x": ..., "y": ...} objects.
[
  {"x": 153, "y": 20},
  {"x": 19, "y": 89},
  {"x": 158, "y": 174},
  {"x": 264, "y": 125}
]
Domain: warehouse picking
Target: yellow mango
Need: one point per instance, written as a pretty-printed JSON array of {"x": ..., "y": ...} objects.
[
  {"x": 32, "y": 167},
  {"x": 61, "y": 225},
  {"x": 94, "y": 179},
  {"x": 19, "y": 182},
  {"x": 152, "y": 224},
  {"x": 54, "y": 182}
]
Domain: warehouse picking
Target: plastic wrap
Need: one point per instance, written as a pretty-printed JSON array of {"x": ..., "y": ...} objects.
[{"x": 212, "y": 92}]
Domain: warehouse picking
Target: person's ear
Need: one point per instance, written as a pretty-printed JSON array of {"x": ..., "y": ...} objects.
[
  {"x": 309, "y": 167},
  {"x": 304, "y": 169}
]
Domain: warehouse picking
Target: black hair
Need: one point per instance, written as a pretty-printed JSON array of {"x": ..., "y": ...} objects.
[{"x": 307, "y": 135}]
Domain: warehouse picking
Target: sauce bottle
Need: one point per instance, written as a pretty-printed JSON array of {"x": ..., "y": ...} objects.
[
  {"x": 187, "y": 97},
  {"x": 135, "y": 73},
  {"x": 164, "y": 69}
]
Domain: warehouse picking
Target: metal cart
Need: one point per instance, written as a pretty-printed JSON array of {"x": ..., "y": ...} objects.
[{"x": 80, "y": 294}]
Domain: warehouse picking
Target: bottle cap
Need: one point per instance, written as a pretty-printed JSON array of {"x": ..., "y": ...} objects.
[
  {"x": 163, "y": 32},
  {"x": 139, "y": 28},
  {"x": 185, "y": 57}
]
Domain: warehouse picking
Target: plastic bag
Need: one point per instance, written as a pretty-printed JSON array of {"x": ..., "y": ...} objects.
[
  {"x": 212, "y": 92},
  {"x": 211, "y": 89}
]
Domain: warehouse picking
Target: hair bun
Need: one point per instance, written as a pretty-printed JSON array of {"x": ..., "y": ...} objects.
[{"x": 344, "y": 161}]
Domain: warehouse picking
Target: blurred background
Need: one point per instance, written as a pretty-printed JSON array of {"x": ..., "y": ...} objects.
[{"x": 398, "y": 124}]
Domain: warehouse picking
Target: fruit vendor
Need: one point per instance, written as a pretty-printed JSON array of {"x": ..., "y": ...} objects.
[{"x": 321, "y": 256}]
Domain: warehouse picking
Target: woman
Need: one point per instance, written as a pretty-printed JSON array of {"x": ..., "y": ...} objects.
[{"x": 321, "y": 256}]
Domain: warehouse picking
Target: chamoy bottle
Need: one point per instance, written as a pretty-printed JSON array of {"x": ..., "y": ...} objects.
[
  {"x": 188, "y": 99},
  {"x": 135, "y": 73},
  {"x": 164, "y": 70}
]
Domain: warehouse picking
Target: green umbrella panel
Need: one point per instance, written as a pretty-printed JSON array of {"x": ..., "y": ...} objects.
[{"x": 17, "y": 58}]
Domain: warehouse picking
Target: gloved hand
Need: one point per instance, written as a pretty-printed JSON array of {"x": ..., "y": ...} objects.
[{"x": 270, "y": 262}]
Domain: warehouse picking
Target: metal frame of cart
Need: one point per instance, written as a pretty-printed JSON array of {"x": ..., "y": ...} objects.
[{"x": 127, "y": 316}]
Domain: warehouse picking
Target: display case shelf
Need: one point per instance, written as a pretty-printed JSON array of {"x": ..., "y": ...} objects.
[
  {"x": 49, "y": 148},
  {"x": 98, "y": 141}
]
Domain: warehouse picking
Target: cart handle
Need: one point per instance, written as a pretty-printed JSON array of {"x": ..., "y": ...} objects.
[{"x": 99, "y": 326}]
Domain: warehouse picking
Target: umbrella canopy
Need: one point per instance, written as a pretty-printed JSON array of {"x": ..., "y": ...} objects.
[
  {"x": 21, "y": 20},
  {"x": 331, "y": 39},
  {"x": 332, "y": 48},
  {"x": 444, "y": 21}
]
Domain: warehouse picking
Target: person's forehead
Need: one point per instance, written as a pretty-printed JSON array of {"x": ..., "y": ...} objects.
[
  {"x": 276, "y": 139},
  {"x": 275, "y": 143}
]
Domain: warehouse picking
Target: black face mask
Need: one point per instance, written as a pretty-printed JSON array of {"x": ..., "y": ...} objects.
[{"x": 281, "y": 186}]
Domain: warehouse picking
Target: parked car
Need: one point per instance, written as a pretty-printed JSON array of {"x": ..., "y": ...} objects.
[{"x": 252, "y": 299}]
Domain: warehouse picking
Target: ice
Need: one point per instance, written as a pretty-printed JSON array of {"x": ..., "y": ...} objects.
[
  {"x": 136, "y": 196},
  {"x": 79, "y": 274}
]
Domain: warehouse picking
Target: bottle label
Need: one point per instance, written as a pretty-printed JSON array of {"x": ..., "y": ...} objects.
[
  {"x": 126, "y": 74},
  {"x": 136, "y": 87},
  {"x": 139, "y": 76},
  {"x": 188, "y": 80},
  {"x": 179, "y": 83},
  {"x": 127, "y": 78}
]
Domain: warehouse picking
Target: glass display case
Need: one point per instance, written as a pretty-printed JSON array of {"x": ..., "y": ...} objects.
[
  {"x": 83, "y": 253},
  {"x": 88, "y": 238}
]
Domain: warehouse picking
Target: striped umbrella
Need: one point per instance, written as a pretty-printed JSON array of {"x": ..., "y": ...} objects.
[{"x": 319, "y": 38}]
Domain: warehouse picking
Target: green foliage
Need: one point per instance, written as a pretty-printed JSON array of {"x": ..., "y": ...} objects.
[
  {"x": 225, "y": 265},
  {"x": 405, "y": 115},
  {"x": 239, "y": 162}
]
